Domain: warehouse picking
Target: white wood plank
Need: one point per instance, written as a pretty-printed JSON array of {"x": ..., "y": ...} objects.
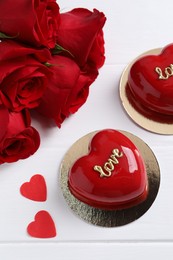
[{"x": 132, "y": 27}]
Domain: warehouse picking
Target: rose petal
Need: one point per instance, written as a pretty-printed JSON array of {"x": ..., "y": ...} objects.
[{"x": 4, "y": 120}]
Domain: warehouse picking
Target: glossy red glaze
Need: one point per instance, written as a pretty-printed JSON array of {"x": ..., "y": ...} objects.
[
  {"x": 127, "y": 184},
  {"x": 147, "y": 88}
]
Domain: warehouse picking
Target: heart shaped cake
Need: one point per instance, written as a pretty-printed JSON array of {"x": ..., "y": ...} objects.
[
  {"x": 150, "y": 81},
  {"x": 112, "y": 175}
]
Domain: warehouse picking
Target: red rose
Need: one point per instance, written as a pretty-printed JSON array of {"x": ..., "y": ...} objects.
[
  {"x": 18, "y": 140},
  {"x": 80, "y": 32},
  {"x": 32, "y": 21},
  {"x": 23, "y": 76},
  {"x": 67, "y": 89}
]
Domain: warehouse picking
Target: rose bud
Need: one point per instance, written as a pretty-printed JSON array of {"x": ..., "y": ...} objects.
[
  {"x": 23, "y": 75},
  {"x": 18, "y": 140},
  {"x": 80, "y": 32},
  {"x": 67, "y": 90},
  {"x": 31, "y": 21}
]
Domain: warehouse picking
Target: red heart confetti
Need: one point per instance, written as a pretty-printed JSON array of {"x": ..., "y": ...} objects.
[
  {"x": 43, "y": 226},
  {"x": 35, "y": 189}
]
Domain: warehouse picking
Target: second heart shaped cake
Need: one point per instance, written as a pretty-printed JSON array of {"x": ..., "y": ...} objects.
[
  {"x": 112, "y": 175},
  {"x": 150, "y": 82}
]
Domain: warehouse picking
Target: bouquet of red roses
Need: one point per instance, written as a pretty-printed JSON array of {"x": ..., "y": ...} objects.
[{"x": 48, "y": 60}]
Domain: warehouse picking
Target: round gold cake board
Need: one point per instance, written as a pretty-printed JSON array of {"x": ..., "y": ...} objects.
[
  {"x": 149, "y": 124},
  {"x": 109, "y": 218}
]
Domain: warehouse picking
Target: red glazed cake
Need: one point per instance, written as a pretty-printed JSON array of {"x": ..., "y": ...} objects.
[
  {"x": 112, "y": 176},
  {"x": 150, "y": 83}
]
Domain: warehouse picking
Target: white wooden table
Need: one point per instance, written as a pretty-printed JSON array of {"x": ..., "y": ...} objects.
[{"x": 132, "y": 28}]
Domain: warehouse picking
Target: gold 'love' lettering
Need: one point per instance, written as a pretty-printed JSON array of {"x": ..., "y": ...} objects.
[
  {"x": 106, "y": 170},
  {"x": 168, "y": 72}
]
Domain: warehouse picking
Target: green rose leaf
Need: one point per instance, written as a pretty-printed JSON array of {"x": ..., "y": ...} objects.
[
  {"x": 47, "y": 64},
  {"x": 4, "y": 36},
  {"x": 58, "y": 49}
]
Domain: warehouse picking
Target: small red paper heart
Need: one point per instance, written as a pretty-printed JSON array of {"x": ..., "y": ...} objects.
[
  {"x": 150, "y": 81},
  {"x": 112, "y": 175},
  {"x": 43, "y": 226},
  {"x": 35, "y": 189}
]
